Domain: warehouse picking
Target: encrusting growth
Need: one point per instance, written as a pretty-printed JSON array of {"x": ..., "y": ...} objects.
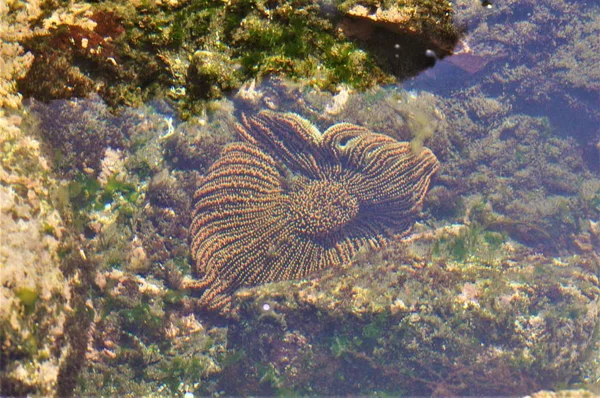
[{"x": 289, "y": 201}]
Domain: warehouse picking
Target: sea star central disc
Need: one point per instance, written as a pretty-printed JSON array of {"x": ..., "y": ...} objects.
[{"x": 318, "y": 208}]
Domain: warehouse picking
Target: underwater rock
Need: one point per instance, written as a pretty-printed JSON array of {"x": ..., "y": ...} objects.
[
  {"x": 76, "y": 59},
  {"x": 35, "y": 295},
  {"x": 532, "y": 178},
  {"x": 15, "y": 23},
  {"x": 429, "y": 328},
  {"x": 210, "y": 75},
  {"x": 143, "y": 346},
  {"x": 588, "y": 242},
  {"x": 127, "y": 196},
  {"x": 405, "y": 36},
  {"x": 403, "y": 16},
  {"x": 291, "y": 200},
  {"x": 80, "y": 132},
  {"x": 564, "y": 394},
  {"x": 562, "y": 78}
]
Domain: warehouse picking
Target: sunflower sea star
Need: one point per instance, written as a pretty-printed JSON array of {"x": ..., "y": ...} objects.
[{"x": 291, "y": 200}]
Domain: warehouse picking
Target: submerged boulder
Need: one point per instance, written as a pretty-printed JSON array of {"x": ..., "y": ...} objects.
[{"x": 436, "y": 327}]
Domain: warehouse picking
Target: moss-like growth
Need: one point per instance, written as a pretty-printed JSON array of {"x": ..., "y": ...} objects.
[
  {"x": 28, "y": 298},
  {"x": 142, "y": 345},
  {"x": 196, "y": 50},
  {"x": 447, "y": 328},
  {"x": 129, "y": 204},
  {"x": 511, "y": 186},
  {"x": 211, "y": 74}
]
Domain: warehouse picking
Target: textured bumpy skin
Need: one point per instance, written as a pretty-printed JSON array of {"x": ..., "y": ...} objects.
[{"x": 289, "y": 201}]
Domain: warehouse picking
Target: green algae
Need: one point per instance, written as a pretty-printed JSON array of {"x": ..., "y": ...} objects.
[
  {"x": 141, "y": 320},
  {"x": 340, "y": 345},
  {"x": 537, "y": 186},
  {"x": 126, "y": 203},
  {"x": 111, "y": 244},
  {"x": 463, "y": 318},
  {"x": 28, "y": 297},
  {"x": 198, "y": 50},
  {"x": 83, "y": 191},
  {"x": 135, "y": 219}
]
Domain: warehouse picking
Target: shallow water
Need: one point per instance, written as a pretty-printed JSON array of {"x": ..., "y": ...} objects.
[{"x": 494, "y": 292}]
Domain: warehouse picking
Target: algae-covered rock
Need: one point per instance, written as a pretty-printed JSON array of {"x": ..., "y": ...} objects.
[
  {"x": 131, "y": 179},
  {"x": 15, "y": 19},
  {"x": 210, "y": 74},
  {"x": 140, "y": 346},
  {"x": 196, "y": 50},
  {"x": 563, "y": 77},
  {"x": 564, "y": 394},
  {"x": 405, "y": 35},
  {"x": 35, "y": 294},
  {"x": 437, "y": 327}
]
